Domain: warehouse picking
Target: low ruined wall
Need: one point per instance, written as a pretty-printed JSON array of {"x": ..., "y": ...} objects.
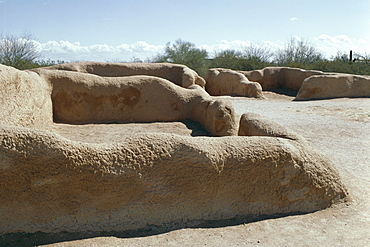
[
  {"x": 311, "y": 84},
  {"x": 178, "y": 74},
  {"x": 253, "y": 124},
  {"x": 276, "y": 77},
  {"x": 24, "y": 98},
  {"x": 334, "y": 86},
  {"x": 229, "y": 82},
  {"x": 35, "y": 100},
  {"x": 80, "y": 98},
  {"x": 51, "y": 184}
]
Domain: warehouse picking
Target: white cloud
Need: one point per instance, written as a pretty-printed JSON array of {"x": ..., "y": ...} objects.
[
  {"x": 75, "y": 51},
  {"x": 273, "y": 46},
  {"x": 68, "y": 51},
  {"x": 330, "y": 45},
  {"x": 238, "y": 45},
  {"x": 293, "y": 19}
]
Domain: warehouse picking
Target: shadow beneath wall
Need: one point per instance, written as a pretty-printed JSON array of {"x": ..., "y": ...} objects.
[
  {"x": 41, "y": 238},
  {"x": 197, "y": 129},
  {"x": 329, "y": 98},
  {"x": 284, "y": 91}
]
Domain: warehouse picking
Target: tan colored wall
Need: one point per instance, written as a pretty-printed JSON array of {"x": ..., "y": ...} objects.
[
  {"x": 311, "y": 84},
  {"x": 24, "y": 99},
  {"x": 51, "y": 184},
  {"x": 276, "y": 77},
  {"x": 334, "y": 86},
  {"x": 178, "y": 74},
  {"x": 229, "y": 82},
  {"x": 252, "y": 124},
  {"x": 293, "y": 78},
  {"x": 80, "y": 98},
  {"x": 267, "y": 77}
]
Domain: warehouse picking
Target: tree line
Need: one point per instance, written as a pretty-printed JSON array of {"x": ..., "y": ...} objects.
[
  {"x": 21, "y": 53},
  {"x": 296, "y": 53}
]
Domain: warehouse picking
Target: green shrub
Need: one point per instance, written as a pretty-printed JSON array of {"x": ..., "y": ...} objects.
[
  {"x": 252, "y": 58},
  {"x": 297, "y": 53},
  {"x": 19, "y": 52},
  {"x": 186, "y": 53}
]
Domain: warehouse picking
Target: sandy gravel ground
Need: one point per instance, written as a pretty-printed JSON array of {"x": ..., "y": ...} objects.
[{"x": 339, "y": 128}]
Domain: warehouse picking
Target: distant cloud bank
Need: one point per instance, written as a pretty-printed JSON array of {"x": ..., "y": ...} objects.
[
  {"x": 69, "y": 52},
  {"x": 330, "y": 45}
]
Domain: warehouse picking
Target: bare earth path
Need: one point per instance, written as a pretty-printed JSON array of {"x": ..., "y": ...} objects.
[{"x": 340, "y": 128}]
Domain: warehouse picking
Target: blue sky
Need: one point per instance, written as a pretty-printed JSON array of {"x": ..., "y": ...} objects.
[{"x": 104, "y": 30}]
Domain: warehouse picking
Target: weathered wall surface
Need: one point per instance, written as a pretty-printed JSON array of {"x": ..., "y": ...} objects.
[
  {"x": 311, "y": 84},
  {"x": 24, "y": 98},
  {"x": 178, "y": 74},
  {"x": 252, "y": 124},
  {"x": 334, "y": 86},
  {"x": 80, "y": 98},
  {"x": 229, "y": 82},
  {"x": 276, "y": 77},
  {"x": 293, "y": 78},
  {"x": 51, "y": 184}
]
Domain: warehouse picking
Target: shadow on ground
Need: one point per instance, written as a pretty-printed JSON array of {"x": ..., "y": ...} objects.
[
  {"x": 284, "y": 91},
  {"x": 196, "y": 128},
  {"x": 22, "y": 239}
]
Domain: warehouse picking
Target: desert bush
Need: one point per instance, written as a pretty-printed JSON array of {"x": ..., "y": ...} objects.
[
  {"x": 253, "y": 57},
  {"x": 257, "y": 57},
  {"x": 19, "y": 52},
  {"x": 186, "y": 53},
  {"x": 297, "y": 53},
  {"x": 362, "y": 57},
  {"x": 342, "y": 64},
  {"x": 228, "y": 59},
  {"x": 263, "y": 54}
]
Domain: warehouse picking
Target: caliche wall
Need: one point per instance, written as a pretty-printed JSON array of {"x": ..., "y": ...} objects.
[
  {"x": 277, "y": 77},
  {"x": 51, "y": 184},
  {"x": 181, "y": 75},
  {"x": 334, "y": 86},
  {"x": 80, "y": 98},
  {"x": 229, "y": 82},
  {"x": 311, "y": 84},
  {"x": 25, "y": 98}
]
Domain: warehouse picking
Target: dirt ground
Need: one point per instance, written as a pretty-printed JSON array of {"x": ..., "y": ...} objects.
[{"x": 339, "y": 128}]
